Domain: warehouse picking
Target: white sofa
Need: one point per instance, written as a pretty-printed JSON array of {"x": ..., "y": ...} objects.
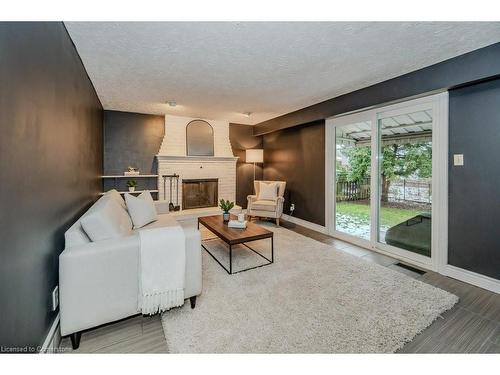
[{"x": 98, "y": 281}]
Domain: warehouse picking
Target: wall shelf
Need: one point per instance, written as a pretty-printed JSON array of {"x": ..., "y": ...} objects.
[
  {"x": 118, "y": 182},
  {"x": 135, "y": 176},
  {"x": 134, "y": 192}
]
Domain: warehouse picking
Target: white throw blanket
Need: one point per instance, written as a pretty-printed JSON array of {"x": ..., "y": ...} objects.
[{"x": 162, "y": 265}]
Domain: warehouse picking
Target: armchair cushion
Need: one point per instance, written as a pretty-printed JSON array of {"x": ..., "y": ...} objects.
[
  {"x": 268, "y": 191},
  {"x": 281, "y": 187},
  {"x": 264, "y": 205}
]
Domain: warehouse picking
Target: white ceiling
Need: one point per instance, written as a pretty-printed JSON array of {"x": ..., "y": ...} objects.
[{"x": 221, "y": 70}]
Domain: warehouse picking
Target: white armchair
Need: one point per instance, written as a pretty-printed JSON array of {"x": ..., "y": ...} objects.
[{"x": 267, "y": 208}]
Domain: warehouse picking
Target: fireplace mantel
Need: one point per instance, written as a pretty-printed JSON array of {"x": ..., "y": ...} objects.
[{"x": 196, "y": 158}]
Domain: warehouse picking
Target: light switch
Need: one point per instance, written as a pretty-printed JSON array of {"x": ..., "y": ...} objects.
[{"x": 458, "y": 160}]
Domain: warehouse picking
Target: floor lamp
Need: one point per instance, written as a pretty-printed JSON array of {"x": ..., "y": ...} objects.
[{"x": 254, "y": 156}]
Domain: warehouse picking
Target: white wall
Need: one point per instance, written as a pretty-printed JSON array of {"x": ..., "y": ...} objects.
[
  {"x": 174, "y": 142},
  {"x": 172, "y": 158}
]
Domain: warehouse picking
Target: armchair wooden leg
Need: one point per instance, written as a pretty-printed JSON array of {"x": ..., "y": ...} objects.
[
  {"x": 278, "y": 222},
  {"x": 193, "y": 301}
]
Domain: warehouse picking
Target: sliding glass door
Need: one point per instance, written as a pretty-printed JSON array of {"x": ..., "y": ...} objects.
[
  {"x": 405, "y": 179},
  {"x": 352, "y": 177},
  {"x": 380, "y": 178}
]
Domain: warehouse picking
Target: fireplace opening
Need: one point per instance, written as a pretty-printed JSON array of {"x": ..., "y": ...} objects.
[{"x": 199, "y": 193}]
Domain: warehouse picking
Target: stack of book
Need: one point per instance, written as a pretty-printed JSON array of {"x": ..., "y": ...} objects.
[{"x": 237, "y": 224}]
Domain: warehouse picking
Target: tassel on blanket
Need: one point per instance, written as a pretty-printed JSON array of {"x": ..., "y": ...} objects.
[
  {"x": 162, "y": 265},
  {"x": 161, "y": 301}
]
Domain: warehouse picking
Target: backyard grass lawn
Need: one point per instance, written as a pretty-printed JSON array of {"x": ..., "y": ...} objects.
[{"x": 389, "y": 216}]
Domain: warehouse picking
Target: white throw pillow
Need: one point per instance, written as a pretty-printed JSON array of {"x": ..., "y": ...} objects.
[
  {"x": 268, "y": 192},
  {"x": 106, "y": 220},
  {"x": 141, "y": 209},
  {"x": 114, "y": 194}
]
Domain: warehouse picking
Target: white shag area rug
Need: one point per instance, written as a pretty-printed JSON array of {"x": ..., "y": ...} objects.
[{"x": 313, "y": 299}]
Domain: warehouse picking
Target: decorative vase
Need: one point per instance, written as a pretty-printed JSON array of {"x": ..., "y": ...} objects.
[
  {"x": 131, "y": 189},
  {"x": 225, "y": 217}
]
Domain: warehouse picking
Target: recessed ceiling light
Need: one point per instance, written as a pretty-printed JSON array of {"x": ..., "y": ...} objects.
[
  {"x": 247, "y": 114},
  {"x": 172, "y": 103}
]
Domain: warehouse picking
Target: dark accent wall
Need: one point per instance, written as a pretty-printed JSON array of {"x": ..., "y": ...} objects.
[
  {"x": 474, "y": 66},
  {"x": 297, "y": 156},
  {"x": 51, "y": 159},
  {"x": 242, "y": 138},
  {"x": 131, "y": 139},
  {"x": 474, "y": 188},
  {"x": 472, "y": 110},
  {"x": 134, "y": 139}
]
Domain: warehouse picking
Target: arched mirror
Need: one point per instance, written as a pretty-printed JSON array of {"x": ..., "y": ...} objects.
[{"x": 199, "y": 138}]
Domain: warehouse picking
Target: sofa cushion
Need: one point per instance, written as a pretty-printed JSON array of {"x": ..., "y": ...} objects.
[
  {"x": 75, "y": 236},
  {"x": 164, "y": 220},
  {"x": 264, "y": 205},
  {"x": 268, "y": 191},
  {"x": 141, "y": 209},
  {"x": 107, "y": 219},
  {"x": 114, "y": 194}
]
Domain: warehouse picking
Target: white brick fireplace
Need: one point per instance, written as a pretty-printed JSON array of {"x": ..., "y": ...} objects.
[{"x": 172, "y": 159}]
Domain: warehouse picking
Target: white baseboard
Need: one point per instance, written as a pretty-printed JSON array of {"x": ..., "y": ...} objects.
[
  {"x": 304, "y": 223},
  {"x": 473, "y": 278},
  {"x": 53, "y": 339}
]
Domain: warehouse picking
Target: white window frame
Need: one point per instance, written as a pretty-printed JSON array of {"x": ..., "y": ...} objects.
[{"x": 439, "y": 105}]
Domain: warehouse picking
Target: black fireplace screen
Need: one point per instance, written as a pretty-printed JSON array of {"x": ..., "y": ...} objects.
[{"x": 198, "y": 193}]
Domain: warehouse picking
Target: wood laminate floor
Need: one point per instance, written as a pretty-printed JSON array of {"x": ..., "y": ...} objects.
[
  {"x": 471, "y": 326},
  {"x": 137, "y": 334}
]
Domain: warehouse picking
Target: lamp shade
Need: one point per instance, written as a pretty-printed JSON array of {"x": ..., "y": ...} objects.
[{"x": 255, "y": 156}]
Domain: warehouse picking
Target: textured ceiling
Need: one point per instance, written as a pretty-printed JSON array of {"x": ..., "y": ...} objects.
[{"x": 221, "y": 70}]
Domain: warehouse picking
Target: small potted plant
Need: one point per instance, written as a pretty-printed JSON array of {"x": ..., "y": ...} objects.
[
  {"x": 132, "y": 184},
  {"x": 225, "y": 207}
]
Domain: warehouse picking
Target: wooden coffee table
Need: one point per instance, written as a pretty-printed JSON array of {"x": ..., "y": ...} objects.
[{"x": 235, "y": 236}]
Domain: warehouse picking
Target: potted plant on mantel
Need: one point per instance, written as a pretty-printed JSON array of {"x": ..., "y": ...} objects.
[
  {"x": 132, "y": 184},
  {"x": 225, "y": 207}
]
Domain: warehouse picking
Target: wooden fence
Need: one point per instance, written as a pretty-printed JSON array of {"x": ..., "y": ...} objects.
[
  {"x": 419, "y": 191},
  {"x": 353, "y": 190}
]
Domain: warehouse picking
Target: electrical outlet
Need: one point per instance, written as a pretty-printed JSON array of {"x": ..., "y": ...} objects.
[{"x": 55, "y": 298}]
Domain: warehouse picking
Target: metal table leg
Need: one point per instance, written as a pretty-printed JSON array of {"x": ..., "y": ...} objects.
[
  {"x": 230, "y": 270},
  {"x": 272, "y": 249}
]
